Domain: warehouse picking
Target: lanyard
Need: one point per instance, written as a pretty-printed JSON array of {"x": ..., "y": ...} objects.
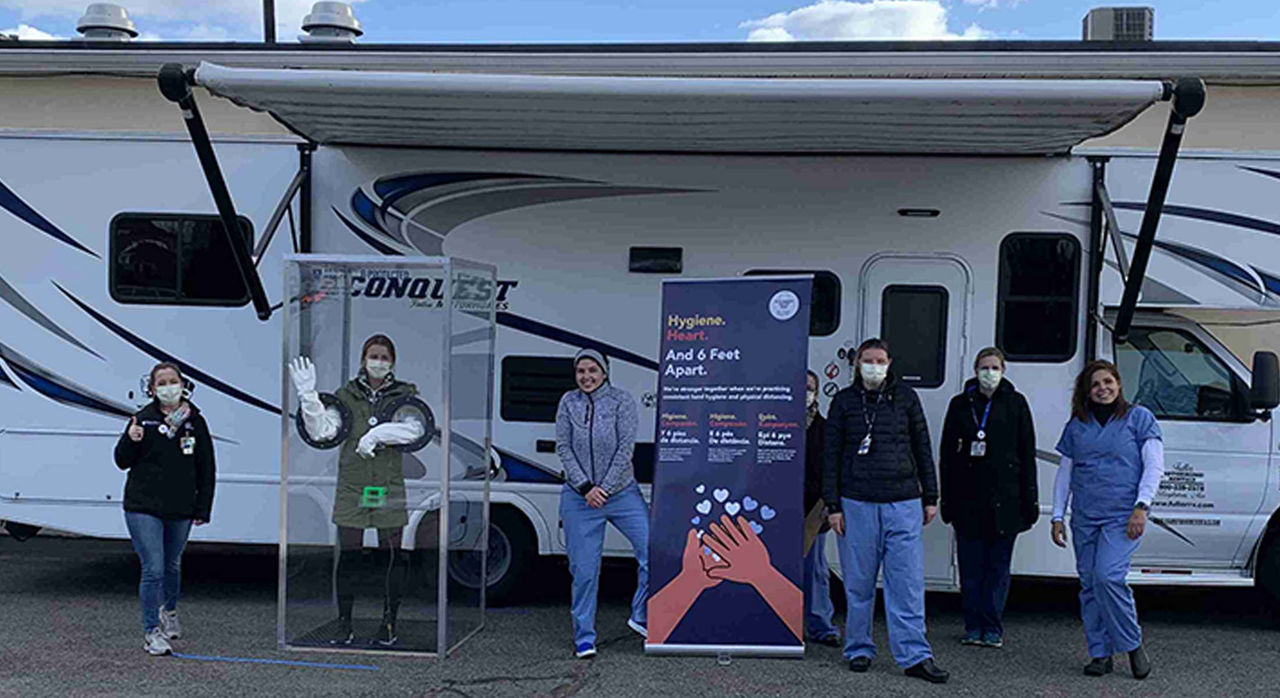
[
  {"x": 982, "y": 426},
  {"x": 869, "y": 416}
]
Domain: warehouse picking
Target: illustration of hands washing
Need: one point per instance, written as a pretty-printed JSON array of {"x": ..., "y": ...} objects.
[{"x": 726, "y": 549}]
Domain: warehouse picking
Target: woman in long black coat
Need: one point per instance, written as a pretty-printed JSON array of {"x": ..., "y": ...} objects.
[{"x": 989, "y": 492}]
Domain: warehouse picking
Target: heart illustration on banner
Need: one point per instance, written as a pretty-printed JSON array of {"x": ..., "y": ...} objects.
[
  {"x": 700, "y": 489},
  {"x": 767, "y": 512},
  {"x": 703, "y": 507},
  {"x": 756, "y": 527},
  {"x": 749, "y": 504},
  {"x": 732, "y": 508},
  {"x": 696, "y": 520},
  {"x": 720, "y": 494}
]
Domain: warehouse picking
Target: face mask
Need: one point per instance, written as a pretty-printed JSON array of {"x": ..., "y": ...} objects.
[
  {"x": 169, "y": 394},
  {"x": 874, "y": 374},
  {"x": 989, "y": 378},
  {"x": 810, "y": 398},
  {"x": 377, "y": 368}
]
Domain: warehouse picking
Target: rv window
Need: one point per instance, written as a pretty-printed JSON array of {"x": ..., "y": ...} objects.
[
  {"x": 1171, "y": 373},
  {"x": 656, "y": 260},
  {"x": 824, "y": 318},
  {"x": 174, "y": 259},
  {"x": 913, "y": 320},
  {"x": 532, "y": 386},
  {"x": 1037, "y": 299}
]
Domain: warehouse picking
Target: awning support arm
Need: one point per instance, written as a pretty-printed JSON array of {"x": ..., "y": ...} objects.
[
  {"x": 1188, "y": 99},
  {"x": 175, "y": 84},
  {"x": 273, "y": 224},
  {"x": 1113, "y": 229}
]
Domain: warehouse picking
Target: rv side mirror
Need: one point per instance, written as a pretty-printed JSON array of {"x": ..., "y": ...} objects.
[{"x": 1265, "y": 393}]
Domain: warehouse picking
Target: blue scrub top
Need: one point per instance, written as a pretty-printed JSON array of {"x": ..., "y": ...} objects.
[{"x": 1106, "y": 463}]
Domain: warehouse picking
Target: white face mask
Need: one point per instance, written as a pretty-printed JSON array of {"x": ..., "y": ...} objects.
[
  {"x": 810, "y": 398},
  {"x": 377, "y": 368},
  {"x": 169, "y": 394},
  {"x": 873, "y": 374},
  {"x": 989, "y": 378}
]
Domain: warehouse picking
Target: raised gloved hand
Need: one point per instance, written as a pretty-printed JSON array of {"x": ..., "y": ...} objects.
[
  {"x": 367, "y": 444},
  {"x": 303, "y": 374}
]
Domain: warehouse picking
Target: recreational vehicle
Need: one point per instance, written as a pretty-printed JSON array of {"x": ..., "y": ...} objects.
[{"x": 946, "y": 197}]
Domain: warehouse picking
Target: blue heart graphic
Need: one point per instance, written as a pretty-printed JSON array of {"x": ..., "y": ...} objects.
[{"x": 767, "y": 512}]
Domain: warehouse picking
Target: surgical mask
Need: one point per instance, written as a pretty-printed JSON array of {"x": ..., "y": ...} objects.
[
  {"x": 989, "y": 378},
  {"x": 169, "y": 394},
  {"x": 873, "y": 374},
  {"x": 377, "y": 368},
  {"x": 810, "y": 398}
]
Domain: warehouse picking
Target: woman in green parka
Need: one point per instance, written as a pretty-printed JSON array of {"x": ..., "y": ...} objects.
[{"x": 370, "y": 490}]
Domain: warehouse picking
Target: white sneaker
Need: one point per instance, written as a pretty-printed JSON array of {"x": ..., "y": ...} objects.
[
  {"x": 169, "y": 624},
  {"x": 155, "y": 644}
]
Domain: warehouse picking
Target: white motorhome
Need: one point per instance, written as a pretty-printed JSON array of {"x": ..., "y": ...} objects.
[{"x": 942, "y": 199}]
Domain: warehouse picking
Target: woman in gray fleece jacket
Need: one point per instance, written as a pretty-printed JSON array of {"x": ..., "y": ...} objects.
[{"x": 595, "y": 436}]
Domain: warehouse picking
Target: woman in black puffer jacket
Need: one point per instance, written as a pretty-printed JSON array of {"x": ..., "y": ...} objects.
[{"x": 989, "y": 493}]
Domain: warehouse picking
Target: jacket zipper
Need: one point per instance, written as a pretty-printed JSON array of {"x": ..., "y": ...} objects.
[{"x": 591, "y": 437}]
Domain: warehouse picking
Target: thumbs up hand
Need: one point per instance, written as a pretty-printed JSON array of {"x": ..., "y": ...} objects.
[{"x": 135, "y": 430}]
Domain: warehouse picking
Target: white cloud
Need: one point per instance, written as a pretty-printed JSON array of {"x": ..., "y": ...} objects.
[
  {"x": 185, "y": 20},
  {"x": 26, "y": 32},
  {"x": 836, "y": 20},
  {"x": 993, "y": 4}
]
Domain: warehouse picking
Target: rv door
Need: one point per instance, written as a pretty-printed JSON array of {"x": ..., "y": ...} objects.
[{"x": 1216, "y": 447}]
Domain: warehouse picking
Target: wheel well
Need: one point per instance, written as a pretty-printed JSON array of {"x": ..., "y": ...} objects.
[{"x": 1272, "y": 530}]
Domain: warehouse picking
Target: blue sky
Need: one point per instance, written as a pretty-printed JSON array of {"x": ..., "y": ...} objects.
[{"x": 473, "y": 21}]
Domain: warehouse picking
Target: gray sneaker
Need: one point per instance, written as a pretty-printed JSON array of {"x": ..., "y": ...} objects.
[
  {"x": 155, "y": 643},
  {"x": 169, "y": 624}
]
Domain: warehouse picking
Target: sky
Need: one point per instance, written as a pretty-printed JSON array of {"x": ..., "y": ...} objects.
[{"x": 585, "y": 21}]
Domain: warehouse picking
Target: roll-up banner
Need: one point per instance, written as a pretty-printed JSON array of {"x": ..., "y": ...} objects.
[{"x": 725, "y": 546}]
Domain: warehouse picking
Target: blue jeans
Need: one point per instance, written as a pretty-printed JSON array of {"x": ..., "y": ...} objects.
[
  {"x": 584, "y": 538},
  {"x": 888, "y": 534},
  {"x": 159, "y": 543},
  {"x": 817, "y": 591},
  {"x": 984, "y": 581}
]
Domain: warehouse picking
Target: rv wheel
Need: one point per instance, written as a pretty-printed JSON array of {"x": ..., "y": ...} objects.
[
  {"x": 1267, "y": 574},
  {"x": 513, "y": 549}
]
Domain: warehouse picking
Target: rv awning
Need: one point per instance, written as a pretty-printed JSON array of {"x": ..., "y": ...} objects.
[{"x": 657, "y": 114}]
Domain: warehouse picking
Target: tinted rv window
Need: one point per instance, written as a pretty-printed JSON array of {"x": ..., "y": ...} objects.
[
  {"x": 1036, "y": 303},
  {"x": 532, "y": 386},
  {"x": 1175, "y": 376},
  {"x": 824, "y": 317},
  {"x": 174, "y": 259},
  {"x": 913, "y": 320}
]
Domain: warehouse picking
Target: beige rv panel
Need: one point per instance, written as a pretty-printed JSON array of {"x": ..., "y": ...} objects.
[
  {"x": 1234, "y": 118},
  {"x": 116, "y": 104}
]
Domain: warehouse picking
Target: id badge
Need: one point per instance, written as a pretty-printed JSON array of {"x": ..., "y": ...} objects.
[
  {"x": 978, "y": 449},
  {"x": 188, "y": 444},
  {"x": 865, "y": 447},
  {"x": 373, "y": 497}
]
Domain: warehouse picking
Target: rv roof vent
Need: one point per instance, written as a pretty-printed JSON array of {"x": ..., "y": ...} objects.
[
  {"x": 106, "y": 22},
  {"x": 330, "y": 21}
]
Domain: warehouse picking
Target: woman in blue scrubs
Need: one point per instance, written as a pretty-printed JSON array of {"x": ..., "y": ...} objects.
[{"x": 1112, "y": 460}]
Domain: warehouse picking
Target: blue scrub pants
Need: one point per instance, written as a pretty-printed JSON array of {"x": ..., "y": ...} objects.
[
  {"x": 584, "y": 538},
  {"x": 1103, "y": 550},
  {"x": 817, "y": 591},
  {"x": 159, "y": 544},
  {"x": 884, "y": 534}
]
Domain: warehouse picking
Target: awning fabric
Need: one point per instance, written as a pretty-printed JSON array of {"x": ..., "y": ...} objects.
[{"x": 707, "y": 115}]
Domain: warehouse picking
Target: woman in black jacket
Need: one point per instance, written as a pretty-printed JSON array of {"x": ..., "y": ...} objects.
[
  {"x": 168, "y": 453},
  {"x": 989, "y": 494}
]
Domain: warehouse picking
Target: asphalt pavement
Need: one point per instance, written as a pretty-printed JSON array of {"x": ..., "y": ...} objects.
[{"x": 70, "y": 628}]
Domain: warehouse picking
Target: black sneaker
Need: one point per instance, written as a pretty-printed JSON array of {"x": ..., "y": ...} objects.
[
  {"x": 386, "y": 633},
  {"x": 860, "y": 664},
  {"x": 831, "y": 640},
  {"x": 1140, "y": 663},
  {"x": 928, "y": 671},
  {"x": 1099, "y": 666},
  {"x": 342, "y": 634}
]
